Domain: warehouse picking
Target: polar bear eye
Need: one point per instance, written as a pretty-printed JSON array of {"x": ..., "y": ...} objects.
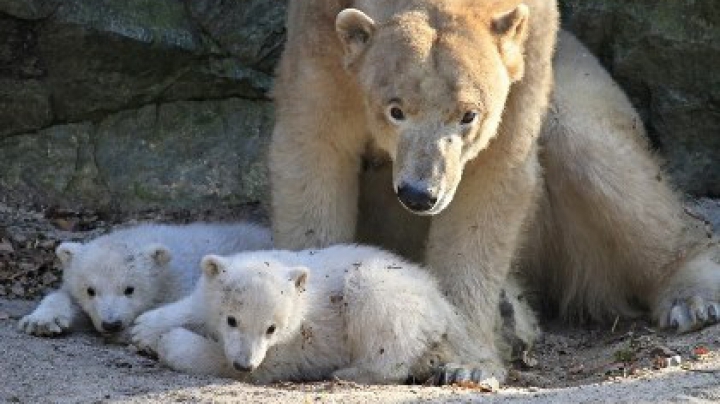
[
  {"x": 231, "y": 321},
  {"x": 468, "y": 118},
  {"x": 129, "y": 291},
  {"x": 91, "y": 292},
  {"x": 397, "y": 114},
  {"x": 271, "y": 330}
]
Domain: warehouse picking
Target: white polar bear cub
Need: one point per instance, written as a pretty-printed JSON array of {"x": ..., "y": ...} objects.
[
  {"x": 115, "y": 277},
  {"x": 351, "y": 312}
]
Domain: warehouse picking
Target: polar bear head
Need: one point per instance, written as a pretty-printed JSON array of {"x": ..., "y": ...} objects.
[
  {"x": 251, "y": 305},
  {"x": 113, "y": 282},
  {"x": 435, "y": 82}
]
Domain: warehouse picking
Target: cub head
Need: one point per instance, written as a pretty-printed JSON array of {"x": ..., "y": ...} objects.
[
  {"x": 112, "y": 282},
  {"x": 435, "y": 84},
  {"x": 252, "y": 305}
]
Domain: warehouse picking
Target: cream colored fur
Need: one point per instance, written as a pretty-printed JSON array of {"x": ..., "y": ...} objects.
[
  {"x": 611, "y": 237},
  {"x": 332, "y": 104},
  {"x": 351, "y": 312},
  {"x": 597, "y": 230},
  {"x": 113, "y": 278}
]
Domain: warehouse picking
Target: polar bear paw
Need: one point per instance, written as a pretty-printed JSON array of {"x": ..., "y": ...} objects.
[
  {"x": 685, "y": 315},
  {"x": 45, "y": 323},
  {"x": 486, "y": 375},
  {"x": 691, "y": 299}
]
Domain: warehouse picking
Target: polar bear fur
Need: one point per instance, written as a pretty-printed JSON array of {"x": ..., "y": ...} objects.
[
  {"x": 581, "y": 213},
  {"x": 132, "y": 270},
  {"x": 339, "y": 79},
  {"x": 349, "y": 312}
]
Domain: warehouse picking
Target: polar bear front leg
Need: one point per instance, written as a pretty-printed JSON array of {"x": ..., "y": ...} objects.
[
  {"x": 55, "y": 314},
  {"x": 314, "y": 169},
  {"x": 690, "y": 299},
  {"x": 470, "y": 249}
]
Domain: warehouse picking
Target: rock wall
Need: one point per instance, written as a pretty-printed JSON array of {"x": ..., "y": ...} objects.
[
  {"x": 666, "y": 55},
  {"x": 136, "y": 104},
  {"x": 139, "y": 104}
]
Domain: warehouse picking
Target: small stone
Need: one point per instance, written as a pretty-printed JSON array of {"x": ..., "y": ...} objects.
[
  {"x": 674, "y": 360},
  {"x": 48, "y": 278},
  {"x": 661, "y": 362},
  {"x": 47, "y": 244},
  {"x": 577, "y": 369},
  {"x": 19, "y": 238},
  {"x": 663, "y": 351},
  {"x": 6, "y": 247},
  {"x": 18, "y": 290}
]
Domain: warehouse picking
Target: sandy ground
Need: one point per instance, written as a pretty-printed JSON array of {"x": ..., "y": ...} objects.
[
  {"x": 623, "y": 363},
  {"x": 577, "y": 366}
]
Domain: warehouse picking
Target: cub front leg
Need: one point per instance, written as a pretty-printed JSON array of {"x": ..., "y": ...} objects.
[
  {"x": 471, "y": 247},
  {"x": 185, "y": 351},
  {"x": 55, "y": 314},
  {"x": 151, "y": 325}
]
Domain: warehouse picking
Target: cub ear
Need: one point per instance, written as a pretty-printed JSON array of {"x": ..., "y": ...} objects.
[
  {"x": 299, "y": 276},
  {"x": 212, "y": 265},
  {"x": 355, "y": 30},
  {"x": 511, "y": 27},
  {"x": 67, "y": 251},
  {"x": 159, "y": 254}
]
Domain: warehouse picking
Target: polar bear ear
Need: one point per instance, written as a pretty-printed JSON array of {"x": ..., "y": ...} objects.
[
  {"x": 355, "y": 30},
  {"x": 212, "y": 265},
  {"x": 66, "y": 252},
  {"x": 299, "y": 276},
  {"x": 159, "y": 254},
  {"x": 512, "y": 29}
]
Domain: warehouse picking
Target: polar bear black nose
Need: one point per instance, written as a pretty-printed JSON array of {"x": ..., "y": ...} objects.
[
  {"x": 416, "y": 199},
  {"x": 113, "y": 326},
  {"x": 243, "y": 368}
]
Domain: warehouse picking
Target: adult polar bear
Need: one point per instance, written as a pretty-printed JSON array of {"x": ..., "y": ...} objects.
[{"x": 455, "y": 93}]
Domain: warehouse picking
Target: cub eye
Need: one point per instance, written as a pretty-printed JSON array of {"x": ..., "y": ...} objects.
[
  {"x": 231, "y": 321},
  {"x": 129, "y": 291},
  {"x": 397, "y": 114},
  {"x": 468, "y": 118},
  {"x": 271, "y": 330},
  {"x": 91, "y": 292}
]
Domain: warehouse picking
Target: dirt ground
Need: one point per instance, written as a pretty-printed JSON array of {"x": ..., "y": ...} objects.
[{"x": 626, "y": 362}]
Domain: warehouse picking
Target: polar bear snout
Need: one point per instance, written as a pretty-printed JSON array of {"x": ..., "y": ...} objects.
[
  {"x": 416, "y": 198},
  {"x": 243, "y": 366},
  {"x": 112, "y": 326}
]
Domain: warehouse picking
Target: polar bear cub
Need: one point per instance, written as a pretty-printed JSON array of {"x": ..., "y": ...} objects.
[
  {"x": 115, "y": 277},
  {"x": 351, "y": 312}
]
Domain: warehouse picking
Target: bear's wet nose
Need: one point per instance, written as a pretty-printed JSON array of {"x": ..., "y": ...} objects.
[
  {"x": 112, "y": 326},
  {"x": 415, "y": 198},
  {"x": 243, "y": 368}
]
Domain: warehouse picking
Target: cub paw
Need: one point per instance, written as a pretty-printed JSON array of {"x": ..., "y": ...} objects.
[
  {"x": 171, "y": 346},
  {"x": 145, "y": 334},
  {"x": 43, "y": 323}
]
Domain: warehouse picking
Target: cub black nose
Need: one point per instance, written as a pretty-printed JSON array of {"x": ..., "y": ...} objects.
[
  {"x": 416, "y": 199},
  {"x": 242, "y": 368},
  {"x": 113, "y": 326}
]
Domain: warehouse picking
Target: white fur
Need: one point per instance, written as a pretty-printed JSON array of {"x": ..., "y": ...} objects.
[
  {"x": 160, "y": 263},
  {"x": 347, "y": 311}
]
